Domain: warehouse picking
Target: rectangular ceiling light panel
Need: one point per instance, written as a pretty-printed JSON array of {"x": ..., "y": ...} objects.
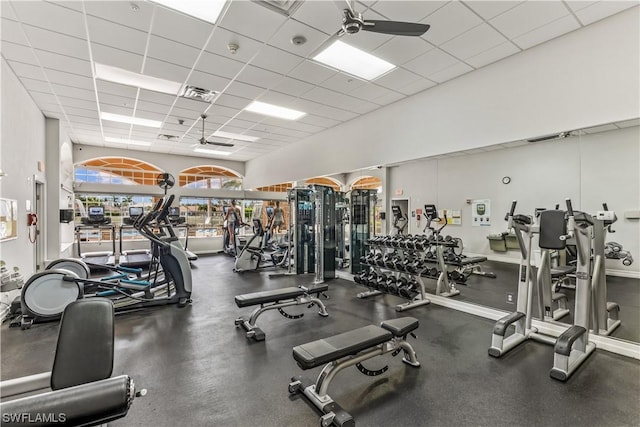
[
  {"x": 208, "y": 10},
  {"x": 214, "y": 152},
  {"x": 129, "y": 78},
  {"x": 126, "y": 141},
  {"x": 238, "y": 136},
  {"x": 274, "y": 110},
  {"x": 130, "y": 120},
  {"x": 349, "y": 59}
]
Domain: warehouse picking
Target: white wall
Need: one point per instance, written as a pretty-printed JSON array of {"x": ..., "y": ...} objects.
[
  {"x": 584, "y": 78},
  {"x": 590, "y": 169},
  {"x": 21, "y": 147}
]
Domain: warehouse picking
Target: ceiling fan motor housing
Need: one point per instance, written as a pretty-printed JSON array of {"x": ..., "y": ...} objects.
[{"x": 352, "y": 23}]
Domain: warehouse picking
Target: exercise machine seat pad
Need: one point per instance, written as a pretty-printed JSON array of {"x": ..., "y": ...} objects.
[
  {"x": 469, "y": 260},
  {"x": 84, "y": 352},
  {"x": 263, "y": 297},
  {"x": 562, "y": 270},
  {"x": 326, "y": 350},
  {"x": 400, "y": 326},
  {"x": 89, "y": 404},
  {"x": 552, "y": 226}
]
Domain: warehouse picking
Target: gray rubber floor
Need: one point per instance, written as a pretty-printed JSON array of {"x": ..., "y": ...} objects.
[{"x": 201, "y": 371}]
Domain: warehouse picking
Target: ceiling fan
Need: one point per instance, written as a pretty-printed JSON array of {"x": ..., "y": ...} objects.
[
  {"x": 203, "y": 140},
  {"x": 353, "y": 22}
]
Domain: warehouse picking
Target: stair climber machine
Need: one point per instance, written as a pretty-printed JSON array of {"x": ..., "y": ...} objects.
[
  {"x": 96, "y": 223},
  {"x": 362, "y": 210},
  {"x": 45, "y": 295},
  {"x": 572, "y": 347},
  {"x": 400, "y": 220},
  {"x": 133, "y": 257},
  {"x": 178, "y": 221},
  {"x": 256, "y": 254},
  {"x": 313, "y": 220}
]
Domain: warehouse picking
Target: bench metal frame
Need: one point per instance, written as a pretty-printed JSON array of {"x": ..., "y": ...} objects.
[
  {"x": 317, "y": 394},
  {"x": 256, "y": 333}
]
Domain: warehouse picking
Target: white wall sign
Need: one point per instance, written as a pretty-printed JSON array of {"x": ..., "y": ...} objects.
[{"x": 481, "y": 212}]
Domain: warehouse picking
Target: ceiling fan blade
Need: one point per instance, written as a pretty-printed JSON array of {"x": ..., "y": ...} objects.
[
  {"x": 220, "y": 144},
  {"x": 395, "y": 28}
]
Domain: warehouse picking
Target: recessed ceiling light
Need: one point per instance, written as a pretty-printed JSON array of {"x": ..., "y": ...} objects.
[
  {"x": 274, "y": 110},
  {"x": 129, "y": 78},
  {"x": 354, "y": 61},
  {"x": 131, "y": 120},
  {"x": 126, "y": 141},
  {"x": 214, "y": 152},
  {"x": 205, "y": 10},
  {"x": 238, "y": 136}
]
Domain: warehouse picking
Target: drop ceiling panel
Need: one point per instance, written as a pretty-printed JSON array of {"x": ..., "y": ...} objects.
[
  {"x": 165, "y": 70},
  {"x": 401, "y": 49},
  {"x": 190, "y": 104},
  {"x": 236, "y": 20},
  {"x": 449, "y": 73},
  {"x": 343, "y": 83},
  {"x": 83, "y": 119},
  {"x": 528, "y": 16},
  {"x": 107, "y": 98},
  {"x": 27, "y": 71},
  {"x": 44, "y": 98},
  {"x": 494, "y": 54},
  {"x": 6, "y": 11},
  {"x": 389, "y": 98},
  {"x": 547, "y": 32},
  {"x": 431, "y": 62},
  {"x": 207, "y": 81},
  {"x": 76, "y": 103},
  {"x": 291, "y": 28},
  {"x": 156, "y": 97},
  {"x": 193, "y": 32},
  {"x": 247, "y": 47},
  {"x": 371, "y": 91},
  {"x": 218, "y": 65},
  {"x": 222, "y": 111},
  {"x": 244, "y": 90},
  {"x": 598, "y": 10},
  {"x": 11, "y": 31},
  {"x": 259, "y": 77},
  {"x": 121, "y": 12},
  {"x": 74, "y": 80},
  {"x": 417, "y": 86},
  {"x": 170, "y": 51},
  {"x": 232, "y": 101},
  {"x": 407, "y": 11},
  {"x": 293, "y": 87},
  {"x": 144, "y": 106},
  {"x": 17, "y": 52},
  {"x": 335, "y": 113},
  {"x": 276, "y": 60},
  {"x": 57, "y": 43},
  {"x": 50, "y": 17},
  {"x": 119, "y": 109},
  {"x": 73, "y": 92},
  {"x": 321, "y": 15},
  {"x": 117, "y": 58},
  {"x": 116, "y": 89},
  {"x": 117, "y": 36},
  {"x": 397, "y": 79},
  {"x": 311, "y": 72},
  {"x": 448, "y": 22},
  {"x": 473, "y": 42},
  {"x": 64, "y": 63},
  {"x": 491, "y": 9}
]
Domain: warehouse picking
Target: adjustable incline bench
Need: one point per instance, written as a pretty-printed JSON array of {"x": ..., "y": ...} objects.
[
  {"x": 79, "y": 391},
  {"x": 277, "y": 299},
  {"x": 348, "y": 349}
]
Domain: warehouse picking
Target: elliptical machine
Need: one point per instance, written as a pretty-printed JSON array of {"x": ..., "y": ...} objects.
[
  {"x": 45, "y": 295},
  {"x": 254, "y": 255}
]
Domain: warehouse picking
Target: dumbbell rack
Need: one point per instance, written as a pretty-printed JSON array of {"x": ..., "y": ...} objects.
[{"x": 444, "y": 287}]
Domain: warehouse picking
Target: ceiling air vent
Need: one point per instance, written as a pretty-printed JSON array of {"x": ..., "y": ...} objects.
[
  {"x": 198, "y": 94},
  {"x": 283, "y": 7}
]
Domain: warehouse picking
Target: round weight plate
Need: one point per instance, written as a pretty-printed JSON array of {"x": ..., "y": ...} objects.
[{"x": 73, "y": 266}]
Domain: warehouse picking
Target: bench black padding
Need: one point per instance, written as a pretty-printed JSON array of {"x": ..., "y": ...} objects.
[
  {"x": 275, "y": 295},
  {"x": 562, "y": 270},
  {"x": 401, "y": 326},
  {"x": 470, "y": 260},
  {"x": 84, "y": 405},
  {"x": 566, "y": 340},
  {"x": 552, "y": 226},
  {"x": 84, "y": 352},
  {"x": 325, "y": 350},
  {"x": 500, "y": 328}
]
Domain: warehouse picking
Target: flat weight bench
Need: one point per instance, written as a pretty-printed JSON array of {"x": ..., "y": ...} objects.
[
  {"x": 348, "y": 349},
  {"x": 278, "y": 299}
]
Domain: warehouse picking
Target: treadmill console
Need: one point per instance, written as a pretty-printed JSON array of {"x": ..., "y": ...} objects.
[
  {"x": 134, "y": 213},
  {"x": 430, "y": 211},
  {"x": 174, "y": 216},
  {"x": 397, "y": 212},
  {"x": 95, "y": 216}
]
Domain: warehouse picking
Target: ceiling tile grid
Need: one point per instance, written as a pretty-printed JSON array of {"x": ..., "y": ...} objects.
[{"x": 249, "y": 55}]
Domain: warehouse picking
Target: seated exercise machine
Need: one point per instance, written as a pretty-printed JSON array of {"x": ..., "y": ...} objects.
[
  {"x": 45, "y": 295},
  {"x": 572, "y": 347},
  {"x": 79, "y": 390},
  {"x": 278, "y": 299},
  {"x": 348, "y": 349},
  {"x": 96, "y": 222}
]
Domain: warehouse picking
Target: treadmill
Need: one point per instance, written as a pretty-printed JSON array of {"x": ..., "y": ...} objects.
[
  {"x": 96, "y": 220},
  {"x": 133, "y": 257},
  {"x": 177, "y": 221}
]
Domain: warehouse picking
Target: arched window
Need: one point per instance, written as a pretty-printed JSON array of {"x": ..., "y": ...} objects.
[
  {"x": 277, "y": 188},
  {"x": 367, "y": 183},
  {"x": 207, "y": 176},
  {"x": 116, "y": 170},
  {"x": 324, "y": 181}
]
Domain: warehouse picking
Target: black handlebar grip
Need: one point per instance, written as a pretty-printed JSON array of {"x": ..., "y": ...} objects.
[
  {"x": 165, "y": 209},
  {"x": 605, "y": 207},
  {"x": 557, "y": 206},
  {"x": 513, "y": 207},
  {"x": 569, "y": 207}
]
